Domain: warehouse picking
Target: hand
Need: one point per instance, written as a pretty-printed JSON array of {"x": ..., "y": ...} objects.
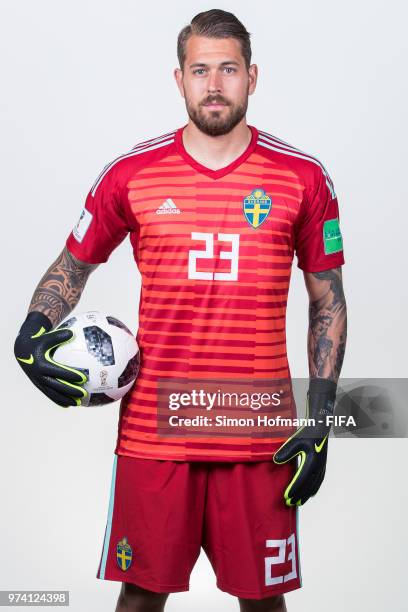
[
  {"x": 33, "y": 349},
  {"x": 310, "y": 443}
]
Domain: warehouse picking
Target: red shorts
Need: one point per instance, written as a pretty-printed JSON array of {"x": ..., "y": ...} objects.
[{"x": 161, "y": 513}]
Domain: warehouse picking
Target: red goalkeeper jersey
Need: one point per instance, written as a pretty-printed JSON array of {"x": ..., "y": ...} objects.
[{"x": 215, "y": 250}]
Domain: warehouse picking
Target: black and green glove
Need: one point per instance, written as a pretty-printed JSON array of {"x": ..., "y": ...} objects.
[
  {"x": 309, "y": 443},
  {"x": 34, "y": 349}
]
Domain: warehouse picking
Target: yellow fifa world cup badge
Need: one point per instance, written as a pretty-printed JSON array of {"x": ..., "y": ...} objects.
[
  {"x": 257, "y": 206},
  {"x": 123, "y": 554}
]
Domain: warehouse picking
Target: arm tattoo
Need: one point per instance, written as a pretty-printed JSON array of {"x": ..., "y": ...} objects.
[
  {"x": 60, "y": 288},
  {"x": 327, "y": 327}
]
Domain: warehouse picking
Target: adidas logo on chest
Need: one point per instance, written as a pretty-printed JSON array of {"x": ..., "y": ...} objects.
[{"x": 168, "y": 208}]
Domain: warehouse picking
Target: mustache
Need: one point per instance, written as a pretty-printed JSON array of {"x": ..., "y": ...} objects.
[{"x": 215, "y": 100}]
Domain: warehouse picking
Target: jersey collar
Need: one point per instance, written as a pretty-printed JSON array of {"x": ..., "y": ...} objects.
[{"x": 215, "y": 174}]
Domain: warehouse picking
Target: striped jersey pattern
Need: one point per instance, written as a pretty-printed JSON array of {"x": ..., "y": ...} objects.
[{"x": 214, "y": 249}]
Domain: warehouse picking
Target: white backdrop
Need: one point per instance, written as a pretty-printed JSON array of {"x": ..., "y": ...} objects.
[{"x": 83, "y": 82}]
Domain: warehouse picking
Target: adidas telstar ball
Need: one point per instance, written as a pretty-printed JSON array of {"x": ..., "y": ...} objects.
[{"x": 105, "y": 350}]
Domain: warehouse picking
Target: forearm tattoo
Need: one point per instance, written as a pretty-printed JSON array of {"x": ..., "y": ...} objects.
[
  {"x": 327, "y": 328},
  {"x": 60, "y": 288}
]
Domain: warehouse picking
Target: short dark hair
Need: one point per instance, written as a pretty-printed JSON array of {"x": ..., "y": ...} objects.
[{"x": 215, "y": 23}]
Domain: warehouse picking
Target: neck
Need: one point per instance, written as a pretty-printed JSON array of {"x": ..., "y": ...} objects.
[{"x": 215, "y": 152}]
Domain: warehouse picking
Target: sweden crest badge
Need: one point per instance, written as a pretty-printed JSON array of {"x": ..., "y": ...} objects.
[
  {"x": 257, "y": 206},
  {"x": 123, "y": 554}
]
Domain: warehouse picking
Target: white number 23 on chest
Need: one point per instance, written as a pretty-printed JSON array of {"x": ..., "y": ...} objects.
[{"x": 208, "y": 253}]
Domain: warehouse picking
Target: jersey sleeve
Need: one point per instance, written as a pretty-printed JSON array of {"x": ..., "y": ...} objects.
[
  {"x": 318, "y": 239},
  {"x": 103, "y": 222}
]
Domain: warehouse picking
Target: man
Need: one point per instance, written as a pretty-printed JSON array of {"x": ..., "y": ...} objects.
[{"x": 215, "y": 211}]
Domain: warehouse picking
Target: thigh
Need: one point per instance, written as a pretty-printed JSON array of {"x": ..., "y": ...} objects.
[
  {"x": 153, "y": 531},
  {"x": 133, "y": 597},
  {"x": 276, "y": 603},
  {"x": 250, "y": 535}
]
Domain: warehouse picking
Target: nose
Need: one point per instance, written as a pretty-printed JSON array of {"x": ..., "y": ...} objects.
[{"x": 214, "y": 82}]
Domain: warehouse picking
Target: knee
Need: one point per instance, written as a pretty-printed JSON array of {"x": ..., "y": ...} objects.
[{"x": 133, "y": 598}]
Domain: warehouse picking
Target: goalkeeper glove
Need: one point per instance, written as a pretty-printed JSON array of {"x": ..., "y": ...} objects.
[
  {"x": 34, "y": 348},
  {"x": 310, "y": 442}
]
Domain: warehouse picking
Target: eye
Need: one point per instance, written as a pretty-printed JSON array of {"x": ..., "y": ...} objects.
[
  {"x": 199, "y": 71},
  {"x": 229, "y": 69}
]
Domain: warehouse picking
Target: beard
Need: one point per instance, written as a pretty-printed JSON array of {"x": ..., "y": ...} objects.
[{"x": 212, "y": 122}]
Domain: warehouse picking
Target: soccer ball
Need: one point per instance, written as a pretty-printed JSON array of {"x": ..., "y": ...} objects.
[{"x": 105, "y": 350}]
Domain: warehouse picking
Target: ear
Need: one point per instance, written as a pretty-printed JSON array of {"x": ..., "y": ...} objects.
[
  {"x": 253, "y": 78},
  {"x": 178, "y": 75}
]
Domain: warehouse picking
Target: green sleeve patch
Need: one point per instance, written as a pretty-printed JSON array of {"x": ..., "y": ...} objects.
[{"x": 332, "y": 239}]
